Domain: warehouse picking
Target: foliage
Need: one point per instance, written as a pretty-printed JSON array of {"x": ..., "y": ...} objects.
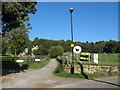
[
  {"x": 97, "y": 47},
  {"x": 110, "y": 47},
  {"x": 41, "y": 51},
  {"x": 56, "y": 51},
  {"x": 4, "y": 46},
  {"x": 17, "y": 40},
  {"x": 16, "y": 13},
  {"x": 15, "y": 17},
  {"x": 58, "y": 69},
  {"x": 29, "y": 46}
]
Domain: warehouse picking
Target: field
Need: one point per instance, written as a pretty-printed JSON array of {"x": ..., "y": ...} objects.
[
  {"x": 110, "y": 59},
  {"x": 103, "y": 59}
]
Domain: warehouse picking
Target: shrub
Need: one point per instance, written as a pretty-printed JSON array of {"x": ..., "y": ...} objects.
[
  {"x": 58, "y": 69},
  {"x": 56, "y": 51},
  {"x": 41, "y": 51}
]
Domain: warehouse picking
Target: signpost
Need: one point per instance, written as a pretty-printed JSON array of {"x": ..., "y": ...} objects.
[
  {"x": 20, "y": 60},
  {"x": 96, "y": 58},
  {"x": 77, "y": 50},
  {"x": 37, "y": 60}
]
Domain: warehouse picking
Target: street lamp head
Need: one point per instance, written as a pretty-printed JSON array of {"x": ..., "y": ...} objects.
[{"x": 71, "y": 10}]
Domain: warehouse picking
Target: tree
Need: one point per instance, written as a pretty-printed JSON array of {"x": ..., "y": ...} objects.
[
  {"x": 4, "y": 46},
  {"x": 117, "y": 50},
  {"x": 56, "y": 51},
  {"x": 29, "y": 46},
  {"x": 17, "y": 40},
  {"x": 98, "y": 47},
  {"x": 36, "y": 41},
  {"x": 67, "y": 46},
  {"x": 110, "y": 46},
  {"x": 16, "y": 13},
  {"x": 40, "y": 51}
]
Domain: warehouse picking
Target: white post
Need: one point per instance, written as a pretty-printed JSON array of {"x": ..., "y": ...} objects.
[
  {"x": 89, "y": 58},
  {"x": 96, "y": 58}
]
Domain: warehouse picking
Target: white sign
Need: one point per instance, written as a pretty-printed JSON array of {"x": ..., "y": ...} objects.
[
  {"x": 77, "y": 49},
  {"x": 37, "y": 60},
  {"x": 20, "y": 60},
  {"x": 96, "y": 58}
]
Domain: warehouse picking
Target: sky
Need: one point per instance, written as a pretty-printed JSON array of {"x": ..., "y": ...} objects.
[{"x": 92, "y": 21}]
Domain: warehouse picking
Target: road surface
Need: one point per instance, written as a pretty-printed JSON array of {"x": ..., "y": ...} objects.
[
  {"x": 43, "y": 78},
  {"x": 27, "y": 80},
  {"x": 109, "y": 82}
]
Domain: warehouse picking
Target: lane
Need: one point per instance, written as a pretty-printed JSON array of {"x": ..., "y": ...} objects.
[{"x": 27, "y": 80}]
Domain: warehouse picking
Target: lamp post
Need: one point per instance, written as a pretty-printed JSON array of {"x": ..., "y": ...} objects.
[{"x": 72, "y": 65}]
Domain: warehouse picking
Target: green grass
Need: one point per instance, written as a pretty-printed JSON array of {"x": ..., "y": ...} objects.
[
  {"x": 76, "y": 75},
  {"x": 66, "y": 53},
  {"x": 110, "y": 59},
  {"x": 38, "y": 65},
  {"x": 70, "y": 75}
]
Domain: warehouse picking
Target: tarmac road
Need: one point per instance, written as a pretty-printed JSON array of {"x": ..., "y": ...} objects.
[
  {"x": 106, "y": 82},
  {"x": 27, "y": 80}
]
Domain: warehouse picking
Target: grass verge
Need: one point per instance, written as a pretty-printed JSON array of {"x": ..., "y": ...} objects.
[{"x": 38, "y": 65}]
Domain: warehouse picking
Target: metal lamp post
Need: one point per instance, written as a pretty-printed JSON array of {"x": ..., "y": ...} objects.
[{"x": 72, "y": 65}]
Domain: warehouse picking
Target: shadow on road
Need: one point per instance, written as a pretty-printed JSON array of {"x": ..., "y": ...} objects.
[
  {"x": 9, "y": 67},
  {"x": 105, "y": 82},
  {"x": 82, "y": 71}
]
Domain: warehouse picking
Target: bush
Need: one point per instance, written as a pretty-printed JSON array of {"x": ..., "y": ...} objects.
[
  {"x": 56, "y": 51},
  {"x": 58, "y": 69},
  {"x": 41, "y": 51}
]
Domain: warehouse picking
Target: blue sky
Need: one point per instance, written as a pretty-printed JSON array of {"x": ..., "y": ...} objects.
[{"x": 92, "y": 21}]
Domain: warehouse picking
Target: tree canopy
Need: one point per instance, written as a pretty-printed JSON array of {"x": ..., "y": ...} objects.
[
  {"x": 110, "y": 46},
  {"x": 56, "y": 51},
  {"x": 15, "y": 14},
  {"x": 17, "y": 40}
]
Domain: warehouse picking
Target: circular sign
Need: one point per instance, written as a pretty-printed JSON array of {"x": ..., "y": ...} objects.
[{"x": 77, "y": 49}]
